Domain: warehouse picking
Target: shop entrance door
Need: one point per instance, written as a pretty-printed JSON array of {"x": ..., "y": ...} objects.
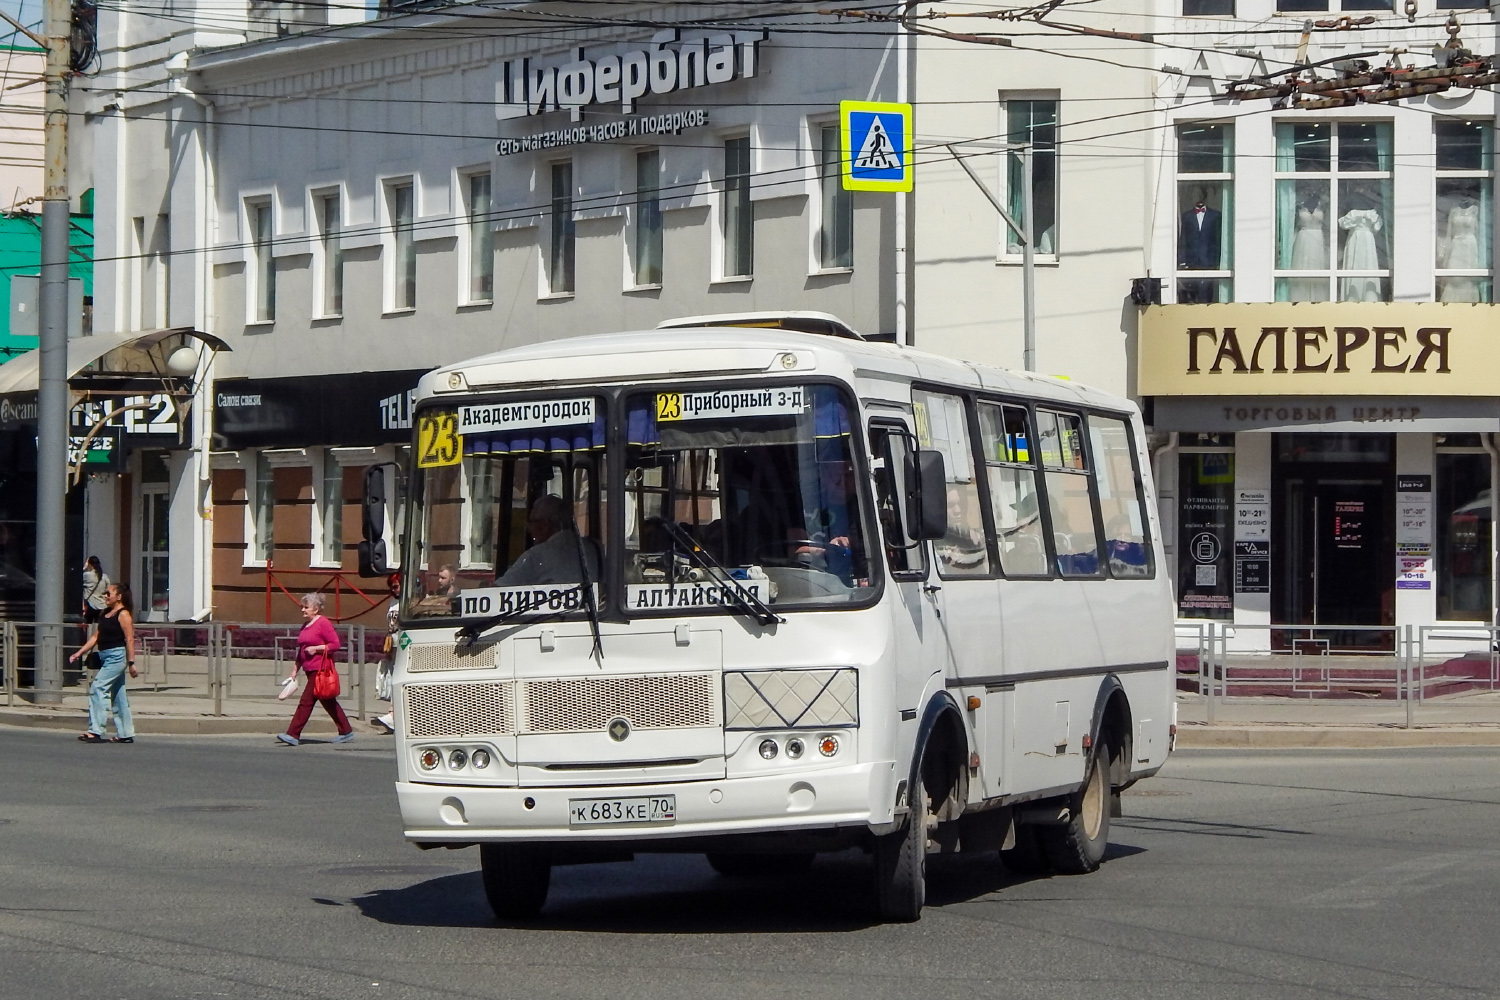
[
  {"x": 1334, "y": 541},
  {"x": 153, "y": 538}
]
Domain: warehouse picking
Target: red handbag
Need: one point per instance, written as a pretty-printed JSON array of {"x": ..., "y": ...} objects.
[{"x": 325, "y": 682}]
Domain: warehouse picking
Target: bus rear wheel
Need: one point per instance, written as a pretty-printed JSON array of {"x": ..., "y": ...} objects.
[
  {"x": 901, "y": 863},
  {"x": 1077, "y": 846},
  {"x": 758, "y": 865},
  {"x": 516, "y": 879}
]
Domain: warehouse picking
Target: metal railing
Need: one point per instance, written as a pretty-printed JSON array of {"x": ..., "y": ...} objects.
[
  {"x": 1405, "y": 665},
  {"x": 213, "y": 663}
]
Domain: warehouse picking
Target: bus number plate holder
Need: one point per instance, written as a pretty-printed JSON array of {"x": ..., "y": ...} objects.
[{"x": 636, "y": 810}]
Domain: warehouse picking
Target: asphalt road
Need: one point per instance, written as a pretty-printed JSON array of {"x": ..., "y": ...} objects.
[{"x": 214, "y": 866}]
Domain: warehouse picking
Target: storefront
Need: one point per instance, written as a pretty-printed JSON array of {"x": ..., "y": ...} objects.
[
  {"x": 288, "y": 476},
  {"x": 1326, "y": 464}
]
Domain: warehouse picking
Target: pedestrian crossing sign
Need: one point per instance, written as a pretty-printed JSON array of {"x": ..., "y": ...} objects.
[{"x": 876, "y": 146}]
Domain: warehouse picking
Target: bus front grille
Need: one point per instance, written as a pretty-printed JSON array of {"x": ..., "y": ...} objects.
[
  {"x": 459, "y": 710},
  {"x": 582, "y": 704},
  {"x": 445, "y": 657}
]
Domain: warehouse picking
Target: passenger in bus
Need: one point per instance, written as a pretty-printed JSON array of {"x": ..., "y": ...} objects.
[
  {"x": 963, "y": 549},
  {"x": 440, "y": 600},
  {"x": 554, "y": 558}
]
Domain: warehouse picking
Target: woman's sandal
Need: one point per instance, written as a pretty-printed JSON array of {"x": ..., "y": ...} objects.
[
  {"x": 91, "y": 738},
  {"x": 122, "y": 739}
]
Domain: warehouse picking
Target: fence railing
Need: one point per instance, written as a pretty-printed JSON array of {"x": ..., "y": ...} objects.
[
  {"x": 212, "y": 663},
  {"x": 1405, "y": 665}
]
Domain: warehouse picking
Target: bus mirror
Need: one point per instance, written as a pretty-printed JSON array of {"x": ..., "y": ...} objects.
[
  {"x": 372, "y": 559},
  {"x": 927, "y": 496}
]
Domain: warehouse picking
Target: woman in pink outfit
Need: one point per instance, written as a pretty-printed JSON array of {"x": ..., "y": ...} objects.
[{"x": 316, "y": 644}]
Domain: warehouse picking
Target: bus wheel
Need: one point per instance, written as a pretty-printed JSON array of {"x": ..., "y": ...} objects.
[
  {"x": 1027, "y": 856},
  {"x": 901, "y": 863},
  {"x": 758, "y": 865},
  {"x": 516, "y": 878},
  {"x": 1077, "y": 846}
]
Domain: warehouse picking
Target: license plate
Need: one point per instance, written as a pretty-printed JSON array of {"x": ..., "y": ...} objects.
[{"x": 622, "y": 812}]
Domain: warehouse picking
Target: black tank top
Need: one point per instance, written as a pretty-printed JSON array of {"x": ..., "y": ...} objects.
[{"x": 111, "y": 632}]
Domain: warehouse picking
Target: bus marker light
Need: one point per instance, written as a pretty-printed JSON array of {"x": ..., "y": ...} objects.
[
  {"x": 795, "y": 748},
  {"x": 430, "y": 759},
  {"x": 457, "y": 759},
  {"x": 973, "y": 703},
  {"x": 828, "y": 746},
  {"x": 768, "y": 749}
]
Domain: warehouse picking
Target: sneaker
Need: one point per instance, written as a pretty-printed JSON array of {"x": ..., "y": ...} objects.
[
  {"x": 387, "y": 724},
  {"x": 290, "y": 741},
  {"x": 344, "y": 737}
]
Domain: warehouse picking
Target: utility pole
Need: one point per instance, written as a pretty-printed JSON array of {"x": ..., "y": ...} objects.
[{"x": 52, "y": 386}]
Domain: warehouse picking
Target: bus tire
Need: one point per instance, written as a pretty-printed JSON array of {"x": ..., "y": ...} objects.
[
  {"x": 759, "y": 865},
  {"x": 1027, "y": 856},
  {"x": 516, "y": 879},
  {"x": 1077, "y": 846},
  {"x": 901, "y": 863}
]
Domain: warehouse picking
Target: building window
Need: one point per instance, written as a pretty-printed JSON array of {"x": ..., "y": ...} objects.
[
  {"x": 1207, "y": 8},
  {"x": 1333, "y": 212},
  {"x": 332, "y": 251},
  {"x": 836, "y": 221},
  {"x": 648, "y": 218},
  {"x": 1462, "y": 553},
  {"x": 1464, "y": 200},
  {"x": 481, "y": 241},
  {"x": 261, "y": 234},
  {"x": 1205, "y": 206},
  {"x": 331, "y": 511},
  {"x": 1315, "y": 5},
  {"x": 738, "y": 210},
  {"x": 404, "y": 258},
  {"x": 563, "y": 246},
  {"x": 1034, "y": 123},
  {"x": 262, "y": 490},
  {"x": 161, "y": 261}
]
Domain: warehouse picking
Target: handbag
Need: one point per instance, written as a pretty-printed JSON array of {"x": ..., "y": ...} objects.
[{"x": 325, "y": 682}]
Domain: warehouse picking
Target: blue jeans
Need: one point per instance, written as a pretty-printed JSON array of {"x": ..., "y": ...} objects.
[{"x": 109, "y": 687}]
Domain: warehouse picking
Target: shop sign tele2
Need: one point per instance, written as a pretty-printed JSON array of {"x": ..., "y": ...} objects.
[{"x": 1390, "y": 349}]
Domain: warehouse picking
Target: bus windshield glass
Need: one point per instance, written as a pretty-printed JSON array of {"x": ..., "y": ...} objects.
[
  {"x": 760, "y": 481},
  {"x": 509, "y": 507}
]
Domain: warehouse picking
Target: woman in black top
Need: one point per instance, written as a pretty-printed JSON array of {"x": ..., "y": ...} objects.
[{"x": 115, "y": 641}]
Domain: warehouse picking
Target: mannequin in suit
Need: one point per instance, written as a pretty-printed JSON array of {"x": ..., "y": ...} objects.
[{"x": 1198, "y": 248}]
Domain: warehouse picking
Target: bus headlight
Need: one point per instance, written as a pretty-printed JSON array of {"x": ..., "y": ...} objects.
[
  {"x": 429, "y": 759},
  {"x": 457, "y": 759},
  {"x": 795, "y": 748},
  {"x": 480, "y": 759},
  {"x": 768, "y": 749}
]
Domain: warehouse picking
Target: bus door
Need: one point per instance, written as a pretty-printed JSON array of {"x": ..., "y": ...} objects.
[{"x": 917, "y": 635}]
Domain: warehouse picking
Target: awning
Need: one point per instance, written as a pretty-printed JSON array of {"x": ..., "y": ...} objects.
[{"x": 113, "y": 362}]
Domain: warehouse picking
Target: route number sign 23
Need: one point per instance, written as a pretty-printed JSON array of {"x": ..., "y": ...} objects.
[{"x": 438, "y": 440}]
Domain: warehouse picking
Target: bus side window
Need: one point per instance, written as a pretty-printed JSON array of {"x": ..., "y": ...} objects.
[
  {"x": 889, "y": 455},
  {"x": 1122, "y": 501},
  {"x": 943, "y": 424},
  {"x": 1010, "y": 464},
  {"x": 1070, "y": 504}
]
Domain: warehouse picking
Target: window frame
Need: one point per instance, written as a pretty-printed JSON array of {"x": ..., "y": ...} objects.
[
  {"x": 1439, "y": 175},
  {"x": 328, "y": 251},
  {"x": 1005, "y": 254},
  {"x": 737, "y": 185},
  {"x": 1226, "y": 179},
  {"x": 478, "y": 237},
  {"x": 1138, "y": 484},
  {"x": 260, "y": 475},
  {"x": 893, "y": 426},
  {"x": 260, "y": 293},
  {"x": 322, "y": 558},
  {"x": 638, "y": 232},
  {"x": 401, "y": 246},
  {"x": 976, "y": 464},
  {"x": 1035, "y": 468},
  {"x": 829, "y": 183},
  {"x": 562, "y": 234}
]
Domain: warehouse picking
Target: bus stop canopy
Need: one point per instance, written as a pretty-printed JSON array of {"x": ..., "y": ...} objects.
[{"x": 117, "y": 362}]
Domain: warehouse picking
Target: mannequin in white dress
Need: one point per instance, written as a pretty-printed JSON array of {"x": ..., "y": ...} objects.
[
  {"x": 1463, "y": 252},
  {"x": 1310, "y": 253},
  {"x": 1360, "y": 254}
]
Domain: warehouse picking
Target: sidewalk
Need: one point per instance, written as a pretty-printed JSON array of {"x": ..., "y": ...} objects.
[{"x": 1463, "y": 720}]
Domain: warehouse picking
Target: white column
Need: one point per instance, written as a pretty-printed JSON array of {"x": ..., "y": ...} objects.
[{"x": 185, "y": 542}]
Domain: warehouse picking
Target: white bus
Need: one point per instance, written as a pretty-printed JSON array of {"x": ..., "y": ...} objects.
[{"x": 762, "y": 594}]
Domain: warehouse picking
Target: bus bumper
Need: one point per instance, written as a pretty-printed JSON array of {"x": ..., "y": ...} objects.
[{"x": 860, "y": 794}]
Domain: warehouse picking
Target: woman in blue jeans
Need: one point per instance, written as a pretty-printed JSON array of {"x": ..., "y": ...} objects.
[{"x": 115, "y": 641}]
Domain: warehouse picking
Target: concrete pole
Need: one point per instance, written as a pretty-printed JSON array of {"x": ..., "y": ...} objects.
[
  {"x": 1028, "y": 266},
  {"x": 52, "y": 388}
]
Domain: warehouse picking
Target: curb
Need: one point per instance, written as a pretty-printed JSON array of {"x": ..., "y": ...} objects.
[
  {"x": 1298, "y": 737},
  {"x": 166, "y": 725}
]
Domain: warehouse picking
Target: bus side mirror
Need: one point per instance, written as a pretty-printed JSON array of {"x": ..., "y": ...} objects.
[
  {"x": 372, "y": 557},
  {"x": 927, "y": 495}
]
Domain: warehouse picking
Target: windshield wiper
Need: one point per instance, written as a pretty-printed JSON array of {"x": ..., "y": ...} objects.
[
  {"x": 747, "y": 602},
  {"x": 588, "y": 593}
]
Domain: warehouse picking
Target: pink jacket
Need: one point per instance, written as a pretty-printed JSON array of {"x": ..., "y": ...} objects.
[{"x": 315, "y": 633}]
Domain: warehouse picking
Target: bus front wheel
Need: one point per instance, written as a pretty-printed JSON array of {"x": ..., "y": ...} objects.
[
  {"x": 516, "y": 879},
  {"x": 1077, "y": 846},
  {"x": 901, "y": 863}
]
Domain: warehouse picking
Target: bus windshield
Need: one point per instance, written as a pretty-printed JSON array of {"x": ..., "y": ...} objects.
[{"x": 726, "y": 494}]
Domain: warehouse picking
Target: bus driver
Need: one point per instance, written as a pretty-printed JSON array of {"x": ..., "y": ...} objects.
[{"x": 554, "y": 557}]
